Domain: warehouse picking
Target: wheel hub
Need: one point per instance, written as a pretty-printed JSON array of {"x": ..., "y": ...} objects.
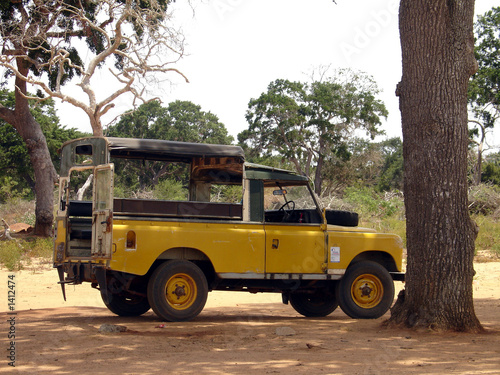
[
  {"x": 179, "y": 290},
  {"x": 367, "y": 291}
]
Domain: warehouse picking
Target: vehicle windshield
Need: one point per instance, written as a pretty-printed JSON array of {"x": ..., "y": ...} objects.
[
  {"x": 290, "y": 204},
  {"x": 278, "y": 196}
]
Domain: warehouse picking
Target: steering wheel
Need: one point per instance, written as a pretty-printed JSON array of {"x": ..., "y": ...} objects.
[
  {"x": 289, "y": 204},
  {"x": 287, "y": 213}
]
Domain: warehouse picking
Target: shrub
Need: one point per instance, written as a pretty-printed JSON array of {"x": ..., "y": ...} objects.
[
  {"x": 170, "y": 190},
  {"x": 11, "y": 254},
  {"x": 14, "y": 254},
  {"x": 488, "y": 237},
  {"x": 18, "y": 211},
  {"x": 484, "y": 199},
  {"x": 368, "y": 203}
]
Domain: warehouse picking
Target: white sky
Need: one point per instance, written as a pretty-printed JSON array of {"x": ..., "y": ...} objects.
[{"x": 237, "y": 47}]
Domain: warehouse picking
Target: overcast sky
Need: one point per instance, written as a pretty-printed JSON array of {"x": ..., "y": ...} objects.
[{"x": 237, "y": 47}]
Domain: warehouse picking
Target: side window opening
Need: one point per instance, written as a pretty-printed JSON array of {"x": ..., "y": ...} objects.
[{"x": 83, "y": 154}]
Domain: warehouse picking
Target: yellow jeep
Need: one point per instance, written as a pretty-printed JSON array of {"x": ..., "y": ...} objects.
[{"x": 168, "y": 254}]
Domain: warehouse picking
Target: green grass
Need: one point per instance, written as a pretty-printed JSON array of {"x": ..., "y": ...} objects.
[
  {"x": 17, "y": 253},
  {"x": 393, "y": 224},
  {"x": 11, "y": 254},
  {"x": 488, "y": 237}
]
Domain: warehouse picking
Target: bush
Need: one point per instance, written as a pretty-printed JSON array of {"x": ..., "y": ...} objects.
[
  {"x": 484, "y": 199},
  {"x": 383, "y": 212},
  {"x": 488, "y": 237},
  {"x": 170, "y": 190},
  {"x": 18, "y": 211},
  {"x": 11, "y": 254},
  {"x": 14, "y": 254},
  {"x": 368, "y": 203}
]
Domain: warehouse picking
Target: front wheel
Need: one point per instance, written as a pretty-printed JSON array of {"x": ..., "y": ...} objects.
[
  {"x": 177, "y": 290},
  {"x": 321, "y": 302},
  {"x": 366, "y": 291}
]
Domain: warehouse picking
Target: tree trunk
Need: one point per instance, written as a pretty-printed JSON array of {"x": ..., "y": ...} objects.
[
  {"x": 437, "y": 51},
  {"x": 318, "y": 176},
  {"x": 45, "y": 173}
]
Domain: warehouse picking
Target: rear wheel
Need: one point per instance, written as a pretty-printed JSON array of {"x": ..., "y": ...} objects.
[
  {"x": 123, "y": 303},
  {"x": 321, "y": 302},
  {"x": 366, "y": 291},
  {"x": 177, "y": 290}
]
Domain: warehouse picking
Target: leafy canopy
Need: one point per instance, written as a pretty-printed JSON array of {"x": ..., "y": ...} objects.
[
  {"x": 484, "y": 87},
  {"x": 16, "y": 171},
  {"x": 311, "y": 124},
  {"x": 180, "y": 121}
]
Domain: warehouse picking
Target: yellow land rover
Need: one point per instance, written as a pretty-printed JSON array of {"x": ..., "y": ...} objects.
[{"x": 168, "y": 254}]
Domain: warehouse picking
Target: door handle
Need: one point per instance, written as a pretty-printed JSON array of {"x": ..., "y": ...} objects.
[{"x": 276, "y": 243}]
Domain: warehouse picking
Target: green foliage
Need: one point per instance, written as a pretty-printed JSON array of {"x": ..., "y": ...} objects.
[
  {"x": 383, "y": 212},
  {"x": 392, "y": 224},
  {"x": 367, "y": 202},
  {"x": 21, "y": 30},
  {"x": 15, "y": 254},
  {"x": 170, "y": 190},
  {"x": 11, "y": 254},
  {"x": 39, "y": 248},
  {"x": 180, "y": 121},
  {"x": 226, "y": 193},
  {"x": 392, "y": 171},
  {"x": 488, "y": 237},
  {"x": 9, "y": 189},
  {"x": 491, "y": 169},
  {"x": 17, "y": 210},
  {"x": 484, "y": 199},
  {"x": 16, "y": 172},
  {"x": 484, "y": 86},
  {"x": 311, "y": 124}
]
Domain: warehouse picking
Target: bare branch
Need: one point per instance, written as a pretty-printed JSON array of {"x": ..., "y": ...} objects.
[{"x": 141, "y": 39}]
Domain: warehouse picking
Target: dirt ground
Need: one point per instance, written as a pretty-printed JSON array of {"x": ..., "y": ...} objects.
[{"x": 237, "y": 333}]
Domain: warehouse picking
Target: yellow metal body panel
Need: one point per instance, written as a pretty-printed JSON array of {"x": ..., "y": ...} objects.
[
  {"x": 231, "y": 247},
  {"x": 60, "y": 240},
  {"x": 251, "y": 248},
  {"x": 344, "y": 244},
  {"x": 295, "y": 248}
]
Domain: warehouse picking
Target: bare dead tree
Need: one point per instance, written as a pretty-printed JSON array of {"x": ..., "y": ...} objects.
[{"x": 141, "y": 39}]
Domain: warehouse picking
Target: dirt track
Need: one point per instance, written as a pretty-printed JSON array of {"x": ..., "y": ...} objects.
[{"x": 237, "y": 333}]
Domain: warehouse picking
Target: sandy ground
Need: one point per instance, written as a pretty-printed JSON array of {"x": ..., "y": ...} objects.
[{"x": 237, "y": 333}]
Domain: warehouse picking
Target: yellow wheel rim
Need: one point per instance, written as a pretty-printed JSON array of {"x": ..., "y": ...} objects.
[
  {"x": 367, "y": 291},
  {"x": 181, "y": 291}
]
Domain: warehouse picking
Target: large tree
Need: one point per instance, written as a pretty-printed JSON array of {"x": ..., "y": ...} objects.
[
  {"x": 16, "y": 171},
  {"x": 312, "y": 123},
  {"x": 437, "y": 45},
  {"x": 41, "y": 42}
]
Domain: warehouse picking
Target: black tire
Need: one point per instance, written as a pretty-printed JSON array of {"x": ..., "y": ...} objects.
[
  {"x": 123, "y": 305},
  {"x": 177, "y": 291},
  {"x": 366, "y": 291},
  {"x": 321, "y": 302},
  {"x": 343, "y": 218}
]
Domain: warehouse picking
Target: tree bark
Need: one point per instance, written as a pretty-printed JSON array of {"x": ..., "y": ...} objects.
[
  {"x": 318, "y": 176},
  {"x": 437, "y": 51},
  {"x": 45, "y": 174}
]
